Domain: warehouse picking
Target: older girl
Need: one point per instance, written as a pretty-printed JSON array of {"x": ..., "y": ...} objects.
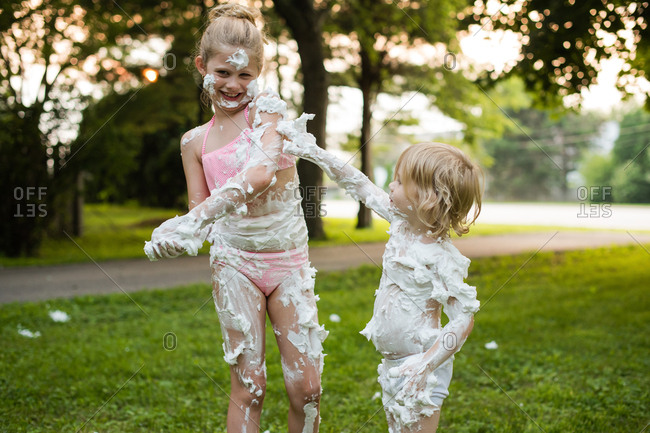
[{"x": 243, "y": 197}]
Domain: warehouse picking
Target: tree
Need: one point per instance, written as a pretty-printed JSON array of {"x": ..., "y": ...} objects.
[
  {"x": 534, "y": 165},
  {"x": 631, "y": 157},
  {"x": 137, "y": 156},
  {"x": 387, "y": 39},
  {"x": 623, "y": 174},
  {"x": 563, "y": 41},
  {"x": 597, "y": 170},
  {"x": 42, "y": 47},
  {"x": 63, "y": 44},
  {"x": 305, "y": 20},
  {"x": 540, "y": 148}
]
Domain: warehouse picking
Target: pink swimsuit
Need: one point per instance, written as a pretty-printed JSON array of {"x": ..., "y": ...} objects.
[
  {"x": 267, "y": 270},
  {"x": 223, "y": 163}
]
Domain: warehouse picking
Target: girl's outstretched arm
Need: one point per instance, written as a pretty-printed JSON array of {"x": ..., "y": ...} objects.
[
  {"x": 302, "y": 144},
  {"x": 184, "y": 233}
]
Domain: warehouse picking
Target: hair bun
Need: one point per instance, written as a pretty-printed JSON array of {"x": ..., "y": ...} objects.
[{"x": 234, "y": 10}]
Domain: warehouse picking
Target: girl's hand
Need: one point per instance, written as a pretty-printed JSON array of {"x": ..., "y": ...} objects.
[
  {"x": 166, "y": 249},
  {"x": 298, "y": 141},
  {"x": 300, "y": 148},
  {"x": 418, "y": 381},
  {"x": 174, "y": 237}
]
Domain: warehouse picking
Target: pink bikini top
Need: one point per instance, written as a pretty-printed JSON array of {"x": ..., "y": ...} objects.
[{"x": 222, "y": 164}]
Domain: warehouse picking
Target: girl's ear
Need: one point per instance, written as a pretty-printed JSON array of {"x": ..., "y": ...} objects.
[{"x": 198, "y": 61}]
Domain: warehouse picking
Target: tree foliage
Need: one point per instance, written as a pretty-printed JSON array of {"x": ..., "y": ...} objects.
[
  {"x": 404, "y": 47},
  {"x": 623, "y": 174},
  {"x": 563, "y": 41},
  {"x": 305, "y": 18},
  {"x": 44, "y": 47},
  {"x": 49, "y": 52},
  {"x": 539, "y": 150},
  {"x": 631, "y": 159}
]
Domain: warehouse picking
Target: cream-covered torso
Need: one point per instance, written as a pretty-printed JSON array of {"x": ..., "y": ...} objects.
[
  {"x": 417, "y": 280},
  {"x": 273, "y": 222}
]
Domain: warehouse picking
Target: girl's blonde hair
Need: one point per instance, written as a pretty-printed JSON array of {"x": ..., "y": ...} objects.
[
  {"x": 233, "y": 25},
  {"x": 443, "y": 184}
]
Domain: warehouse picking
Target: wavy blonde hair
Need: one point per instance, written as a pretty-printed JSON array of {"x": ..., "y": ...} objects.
[
  {"x": 443, "y": 184},
  {"x": 233, "y": 25}
]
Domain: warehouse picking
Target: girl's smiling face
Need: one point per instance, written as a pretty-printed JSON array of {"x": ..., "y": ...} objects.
[{"x": 228, "y": 85}]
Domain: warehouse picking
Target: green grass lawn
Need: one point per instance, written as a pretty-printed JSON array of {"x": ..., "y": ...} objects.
[
  {"x": 573, "y": 331},
  {"x": 119, "y": 232}
]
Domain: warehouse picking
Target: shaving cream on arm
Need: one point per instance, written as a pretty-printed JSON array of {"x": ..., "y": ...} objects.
[{"x": 256, "y": 178}]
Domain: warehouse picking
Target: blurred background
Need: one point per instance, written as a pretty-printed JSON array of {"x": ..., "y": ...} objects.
[{"x": 549, "y": 96}]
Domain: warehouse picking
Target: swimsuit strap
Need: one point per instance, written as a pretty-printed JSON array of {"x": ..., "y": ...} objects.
[
  {"x": 206, "y": 135},
  {"x": 205, "y": 139}
]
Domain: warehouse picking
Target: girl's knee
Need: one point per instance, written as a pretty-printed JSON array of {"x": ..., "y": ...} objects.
[
  {"x": 243, "y": 397},
  {"x": 304, "y": 392},
  {"x": 249, "y": 395},
  {"x": 248, "y": 387}
]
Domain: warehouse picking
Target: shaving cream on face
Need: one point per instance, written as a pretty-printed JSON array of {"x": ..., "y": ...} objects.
[
  {"x": 252, "y": 90},
  {"x": 239, "y": 59},
  {"x": 208, "y": 84},
  {"x": 227, "y": 104},
  {"x": 251, "y": 93}
]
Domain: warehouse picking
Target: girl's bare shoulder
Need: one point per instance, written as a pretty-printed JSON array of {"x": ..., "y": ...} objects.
[{"x": 192, "y": 140}]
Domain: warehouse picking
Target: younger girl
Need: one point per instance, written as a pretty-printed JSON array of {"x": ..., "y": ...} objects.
[
  {"x": 243, "y": 197},
  {"x": 434, "y": 188}
]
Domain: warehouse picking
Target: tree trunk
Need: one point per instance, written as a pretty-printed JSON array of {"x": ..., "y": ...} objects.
[
  {"x": 305, "y": 25},
  {"x": 368, "y": 82},
  {"x": 25, "y": 183},
  {"x": 78, "y": 206},
  {"x": 558, "y": 139}
]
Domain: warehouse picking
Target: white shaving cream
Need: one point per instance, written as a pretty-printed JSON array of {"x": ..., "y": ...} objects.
[
  {"x": 208, "y": 84},
  {"x": 243, "y": 220},
  {"x": 239, "y": 59},
  {"x": 311, "y": 412},
  {"x": 192, "y": 134}
]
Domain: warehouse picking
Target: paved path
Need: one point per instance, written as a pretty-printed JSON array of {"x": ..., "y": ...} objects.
[{"x": 41, "y": 283}]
